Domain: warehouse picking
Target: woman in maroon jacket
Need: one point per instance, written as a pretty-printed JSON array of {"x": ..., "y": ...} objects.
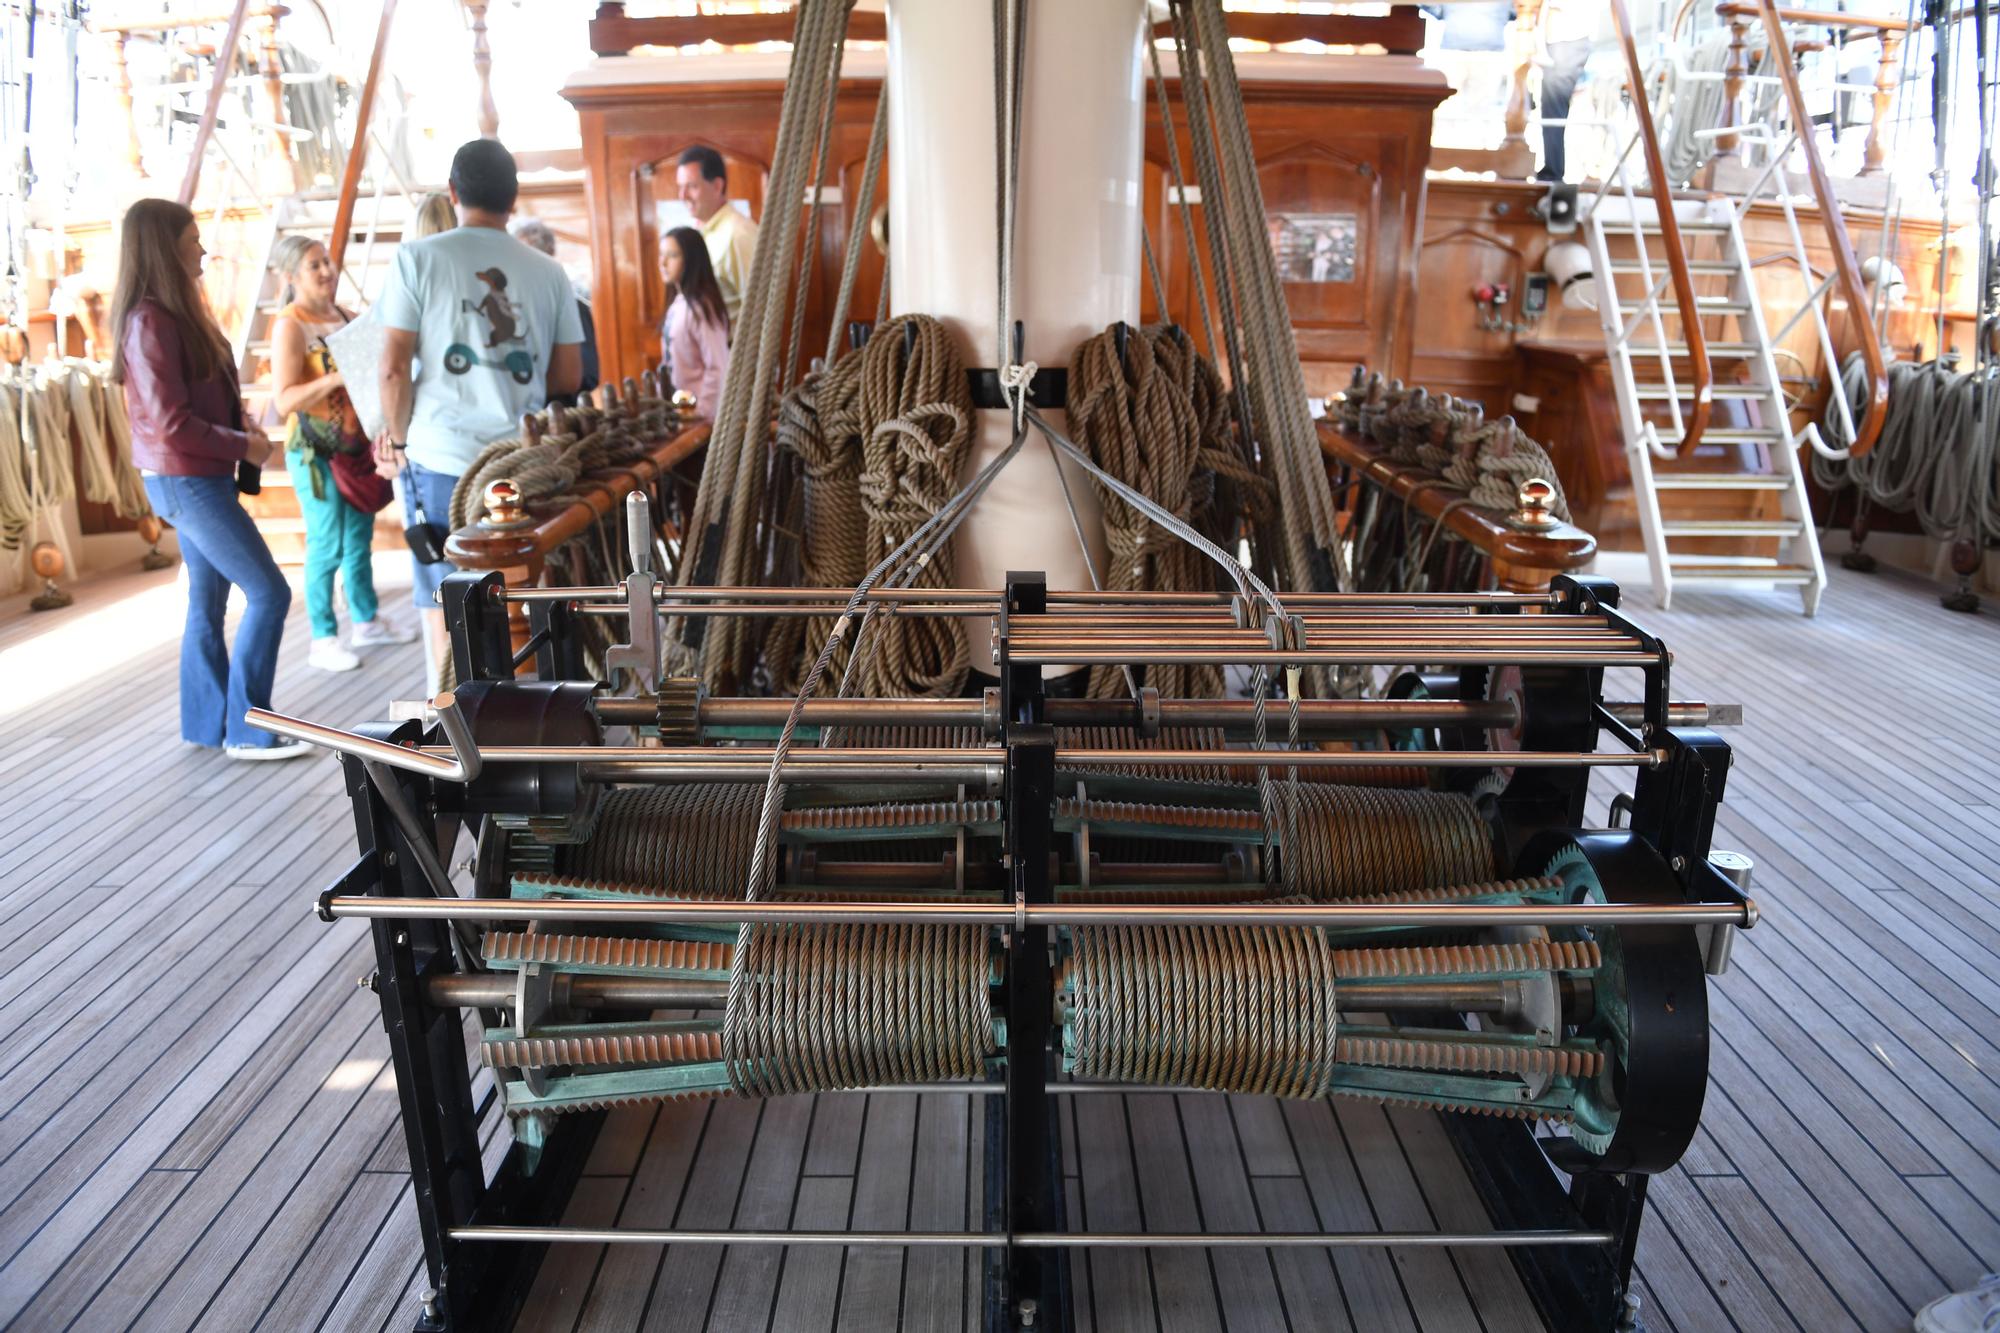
[{"x": 188, "y": 438}]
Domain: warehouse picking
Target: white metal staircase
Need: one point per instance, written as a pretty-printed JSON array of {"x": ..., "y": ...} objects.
[
  {"x": 1716, "y": 466},
  {"x": 1734, "y": 507}
]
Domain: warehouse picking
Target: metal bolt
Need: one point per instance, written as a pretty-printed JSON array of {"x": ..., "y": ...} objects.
[
  {"x": 402, "y": 938},
  {"x": 1029, "y": 1309},
  {"x": 366, "y": 981},
  {"x": 430, "y": 1301},
  {"x": 388, "y": 858},
  {"x": 1679, "y": 863}
]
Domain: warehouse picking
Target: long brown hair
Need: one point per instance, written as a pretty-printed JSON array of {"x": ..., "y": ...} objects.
[
  {"x": 150, "y": 269},
  {"x": 698, "y": 285}
]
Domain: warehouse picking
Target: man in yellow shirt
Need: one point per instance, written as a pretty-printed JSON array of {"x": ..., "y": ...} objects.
[{"x": 730, "y": 234}]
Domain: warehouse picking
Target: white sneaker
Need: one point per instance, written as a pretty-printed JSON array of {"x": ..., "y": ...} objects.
[
  {"x": 1973, "y": 1311},
  {"x": 377, "y": 632},
  {"x": 328, "y": 655},
  {"x": 282, "y": 748}
]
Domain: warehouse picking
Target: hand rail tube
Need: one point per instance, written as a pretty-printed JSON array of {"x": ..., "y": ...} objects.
[
  {"x": 357, "y": 152},
  {"x": 225, "y": 56},
  {"x": 1670, "y": 236},
  {"x": 1847, "y": 269}
]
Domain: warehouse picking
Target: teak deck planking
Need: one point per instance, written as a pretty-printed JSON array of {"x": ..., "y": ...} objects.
[{"x": 198, "y": 1121}]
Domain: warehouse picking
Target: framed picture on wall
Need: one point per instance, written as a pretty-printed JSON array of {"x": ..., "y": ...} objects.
[{"x": 1314, "y": 247}]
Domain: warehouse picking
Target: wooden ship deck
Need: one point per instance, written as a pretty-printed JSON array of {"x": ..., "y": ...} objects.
[{"x": 198, "y": 1122}]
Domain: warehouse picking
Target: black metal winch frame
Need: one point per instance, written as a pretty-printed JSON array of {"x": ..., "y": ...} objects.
[{"x": 1576, "y": 1251}]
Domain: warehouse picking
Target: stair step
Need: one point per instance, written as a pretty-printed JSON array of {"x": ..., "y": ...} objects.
[
  {"x": 1695, "y": 569},
  {"x": 1733, "y": 435},
  {"x": 1658, "y": 265},
  {"x": 1652, "y": 393},
  {"x": 1721, "y": 481},
  {"x": 1715, "y": 349},
  {"x": 1732, "y": 527},
  {"x": 1704, "y": 305}
]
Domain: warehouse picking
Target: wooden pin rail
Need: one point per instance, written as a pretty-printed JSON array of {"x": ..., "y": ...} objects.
[
  {"x": 1521, "y": 560},
  {"x": 521, "y": 553}
]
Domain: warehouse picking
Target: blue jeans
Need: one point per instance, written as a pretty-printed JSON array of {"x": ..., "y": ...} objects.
[
  {"x": 221, "y": 546},
  {"x": 434, "y": 489}
]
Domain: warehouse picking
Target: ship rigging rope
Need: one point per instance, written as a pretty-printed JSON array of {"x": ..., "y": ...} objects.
[
  {"x": 1239, "y": 230},
  {"x": 722, "y": 534},
  {"x": 863, "y": 216}
]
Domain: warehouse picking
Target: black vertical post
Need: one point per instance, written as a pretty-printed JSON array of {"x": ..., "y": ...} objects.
[
  {"x": 440, "y": 1119},
  {"x": 1035, "y": 1290},
  {"x": 475, "y": 611}
]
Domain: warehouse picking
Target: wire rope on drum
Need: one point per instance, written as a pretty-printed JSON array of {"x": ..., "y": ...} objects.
[
  {"x": 1350, "y": 840},
  {"x": 829, "y": 1007},
  {"x": 695, "y": 835}
]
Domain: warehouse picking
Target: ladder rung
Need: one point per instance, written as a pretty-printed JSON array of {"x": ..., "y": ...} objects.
[
  {"x": 1704, "y": 305},
  {"x": 1659, "y": 265},
  {"x": 1740, "y": 392},
  {"x": 1759, "y": 573},
  {"x": 1721, "y": 481},
  {"x": 1732, "y": 527},
  {"x": 1653, "y": 228},
  {"x": 1715, "y": 349},
  {"x": 1732, "y": 435}
]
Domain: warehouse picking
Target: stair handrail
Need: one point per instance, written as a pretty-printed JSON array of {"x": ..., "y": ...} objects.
[
  {"x": 1846, "y": 268},
  {"x": 225, "y": 58},
  {"x": 357, "y": 152},
  {"x": 1682, "y": 280}
]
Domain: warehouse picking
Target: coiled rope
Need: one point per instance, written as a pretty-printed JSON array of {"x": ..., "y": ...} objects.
[
  {"x": 882, "y": 434},
  {"x": 1153, "y": 413},
  {"x": 1938, "y": 456}
]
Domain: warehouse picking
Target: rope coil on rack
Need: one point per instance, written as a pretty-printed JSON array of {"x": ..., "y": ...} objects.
[
  {"x": 882, "y": 434},
  {"x": 1152, "y": 413},
  {"x": 1938, "y": 456}
]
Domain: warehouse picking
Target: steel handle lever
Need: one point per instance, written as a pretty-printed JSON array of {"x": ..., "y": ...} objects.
[{"x": 463, "y": 766}]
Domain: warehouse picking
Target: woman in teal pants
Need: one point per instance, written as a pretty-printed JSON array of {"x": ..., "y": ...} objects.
[{"x": 307, "y": 390}]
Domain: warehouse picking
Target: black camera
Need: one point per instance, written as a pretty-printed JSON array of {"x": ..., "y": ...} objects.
[{"x": 424, "y": 538}]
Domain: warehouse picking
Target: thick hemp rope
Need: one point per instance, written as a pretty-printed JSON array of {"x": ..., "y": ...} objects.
[
  {"x": 881, "y": 434},
  {"x": 1143, "y": 419},
  {"x": 1937, "y": 458}
]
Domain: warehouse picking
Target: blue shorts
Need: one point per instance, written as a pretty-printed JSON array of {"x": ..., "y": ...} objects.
[{"x": 434, "y": 488}]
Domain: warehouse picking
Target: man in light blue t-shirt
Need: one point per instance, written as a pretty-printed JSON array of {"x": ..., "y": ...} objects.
[{"x": 495, "y": 326}]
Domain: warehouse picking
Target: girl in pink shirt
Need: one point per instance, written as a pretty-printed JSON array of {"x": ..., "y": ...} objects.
[{"x": 697, "y": 328}]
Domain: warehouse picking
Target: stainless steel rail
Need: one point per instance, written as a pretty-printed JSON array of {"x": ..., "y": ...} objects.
[
  {"x": 1355, "y": 714},
  {"x": 1044, "y": 1240},
  {"x": 496, "y": 990},
  {"x": 992, "y": 600},
  {"x": 1444, "y": 916}
]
